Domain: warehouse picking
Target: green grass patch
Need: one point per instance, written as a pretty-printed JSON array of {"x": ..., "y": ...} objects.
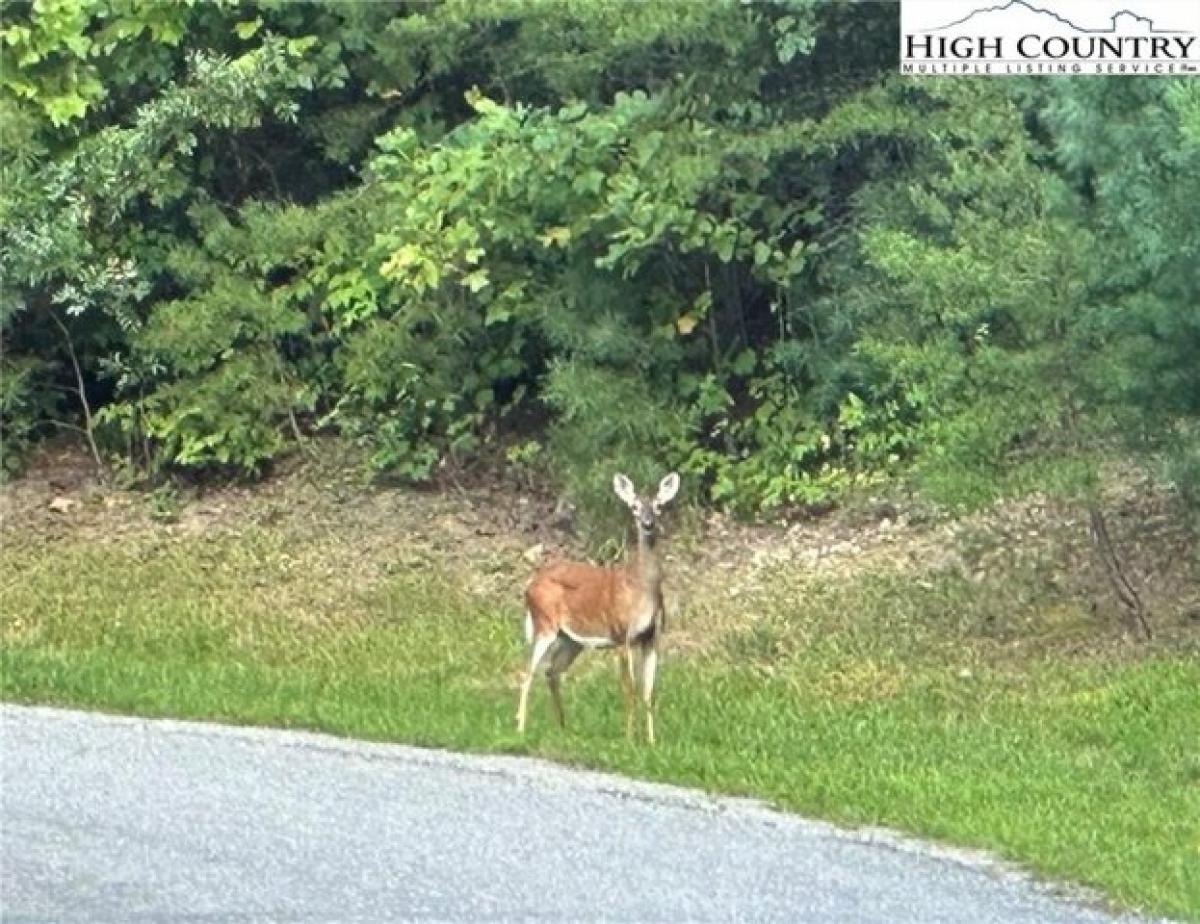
[{"x": 853, "y": 707}]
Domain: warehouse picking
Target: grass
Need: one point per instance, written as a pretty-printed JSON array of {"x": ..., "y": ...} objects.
[{"x": 879, "y": 701}]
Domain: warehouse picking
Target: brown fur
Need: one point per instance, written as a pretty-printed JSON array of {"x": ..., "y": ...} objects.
[
  {"x": 590, "y": 601},
  {"x": 573, "y": 606}
]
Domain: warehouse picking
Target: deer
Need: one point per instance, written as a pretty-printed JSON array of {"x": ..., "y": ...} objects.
[{"x": 571, "y": 605}]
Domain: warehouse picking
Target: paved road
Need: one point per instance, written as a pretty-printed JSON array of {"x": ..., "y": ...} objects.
[{"x": 116, "y": 819}]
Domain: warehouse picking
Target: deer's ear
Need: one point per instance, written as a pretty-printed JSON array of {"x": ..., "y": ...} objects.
[
  {"x": 624, "y": 489},
  {"x": 667, "y": 489}
]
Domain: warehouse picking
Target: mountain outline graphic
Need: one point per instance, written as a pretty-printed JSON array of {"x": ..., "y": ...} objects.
[{"x": 1041, "y": 11}]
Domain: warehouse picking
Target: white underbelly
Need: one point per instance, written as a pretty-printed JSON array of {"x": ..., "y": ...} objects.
[{"x": 588, "y": 641}]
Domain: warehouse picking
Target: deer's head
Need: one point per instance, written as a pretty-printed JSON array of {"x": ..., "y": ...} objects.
[{"x": 646, "y": 509}]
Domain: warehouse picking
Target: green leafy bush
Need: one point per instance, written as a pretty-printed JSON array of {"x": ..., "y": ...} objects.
[{"x": 714, "y": 236}]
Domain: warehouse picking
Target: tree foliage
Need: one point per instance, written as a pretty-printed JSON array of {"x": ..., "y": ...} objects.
[{"x": 718, "y": 236}]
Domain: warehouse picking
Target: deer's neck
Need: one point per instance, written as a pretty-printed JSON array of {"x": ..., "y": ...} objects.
[{"x": 646, "y": 566}]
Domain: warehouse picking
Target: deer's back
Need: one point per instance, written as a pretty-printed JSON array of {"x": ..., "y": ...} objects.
[{"x": 589, "y": 601}]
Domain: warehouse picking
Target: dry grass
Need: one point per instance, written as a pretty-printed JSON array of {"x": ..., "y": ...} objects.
[{"x": 1021, "y": 573}]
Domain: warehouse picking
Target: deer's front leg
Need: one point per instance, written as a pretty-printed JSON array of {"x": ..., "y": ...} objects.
[
  {"x": 628, "y": 691},
  {"x": 649, "y": 667}
]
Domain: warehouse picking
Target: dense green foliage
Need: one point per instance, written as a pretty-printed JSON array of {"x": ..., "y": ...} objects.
[{"x": 718, "y": 236}]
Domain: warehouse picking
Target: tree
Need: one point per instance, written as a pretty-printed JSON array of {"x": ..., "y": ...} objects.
[{"x": 1133, "y": 149}]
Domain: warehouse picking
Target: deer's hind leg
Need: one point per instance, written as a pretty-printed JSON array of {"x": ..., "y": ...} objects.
[
  {"x": 561, "y": 658},
  {"x": 537, "y": 650}
]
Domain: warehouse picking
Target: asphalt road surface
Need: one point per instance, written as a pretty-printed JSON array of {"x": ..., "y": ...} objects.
[{"x": 118, "y": 819}]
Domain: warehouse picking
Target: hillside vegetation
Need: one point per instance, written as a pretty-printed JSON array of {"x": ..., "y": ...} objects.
[{"x": 572, "y": 236}]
